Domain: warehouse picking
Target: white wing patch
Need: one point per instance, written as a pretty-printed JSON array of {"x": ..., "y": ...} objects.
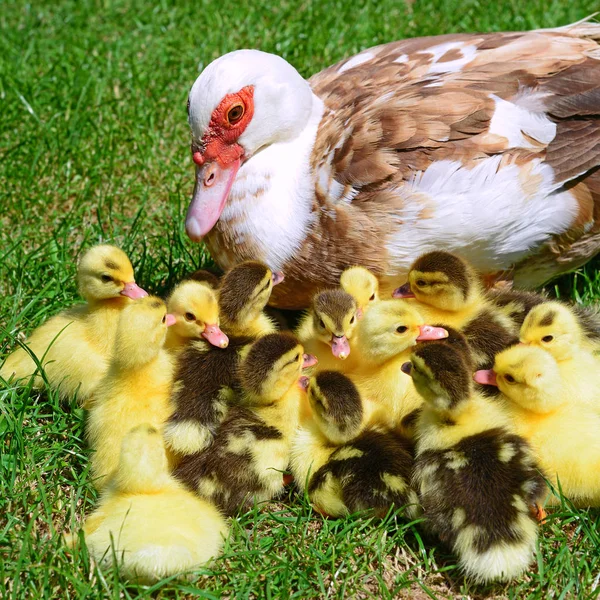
[
  {"x": 514, "y": 122},
  {"x": 466, "y": 50},
  {"x": 359, "y": 59},
  {"x": 490, "y": 214}
]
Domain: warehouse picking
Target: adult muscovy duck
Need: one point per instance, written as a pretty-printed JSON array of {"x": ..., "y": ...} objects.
[{"x": 483, "y": 145}]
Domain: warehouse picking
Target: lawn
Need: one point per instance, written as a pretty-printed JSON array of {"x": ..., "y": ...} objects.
[{"x": 94, "y": 146}]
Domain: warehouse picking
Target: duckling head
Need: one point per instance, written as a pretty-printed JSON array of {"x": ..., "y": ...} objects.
[
  {"x": 336, "y": 406},
  {"x": 362, "y": 285},
  {"x": 527, "y": 376},
  {"x": 334, "y": 314},
  {"x": 245, "y": 291},
  {"x": 196, "y": 311},
  {"x": 141, "y": 332},
  {"x": 271, "y": 367},
  {"x": 441, "y": 280},
  {"x": 106, "y": 272},
  {"x": 143, "y": 464},
  {"x": 553, "y": 327},
  {"x": 391, "y": 327},
  {"x": 442, "y": 376}
]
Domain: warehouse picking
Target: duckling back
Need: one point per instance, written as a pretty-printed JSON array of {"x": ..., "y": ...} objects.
[
  {"x": 186, "y": 531},
  {"x": 137, "y": 387}
]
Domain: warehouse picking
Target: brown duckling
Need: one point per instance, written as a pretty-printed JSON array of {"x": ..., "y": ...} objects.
[
  {"x": 478, "y": 482},
  {"x": 343, "y": 468},
  {"x": 251, "y": 448},
  {"x": 447, "y": 290}
]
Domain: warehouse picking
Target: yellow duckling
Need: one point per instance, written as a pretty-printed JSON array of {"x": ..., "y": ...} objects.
[
  {"x": 196, "y": 311},
  {"x": 384, "y": 339},
  {"x": 516, "y": 304},
  {"x": 447, "y": 290},
  {"x": 251, "y": 448},
  {"x": 327, "y": 327},
  {"x": 137, "y": 387},
  {"x": 564, "y": 437},
  {"x": 147, "y": 521},
  {"x": 572, "y": 336},
  {"x": 362, "y": 285},
  {"x": 243, "y": 295},
  {"x": 342, "y": 469},
  {"x": 478, "y": 481},
  {"x": 74, "y": 346}
]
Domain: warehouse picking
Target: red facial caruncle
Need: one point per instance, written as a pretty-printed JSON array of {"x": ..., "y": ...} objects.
[{"x": 218, "y": 159}]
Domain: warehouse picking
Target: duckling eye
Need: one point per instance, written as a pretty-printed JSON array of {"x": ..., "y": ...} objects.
[
  {"x": 297, "y": 357},
  {"x": 190, "y": 316},
  {"x": 547, "y": 338},
  {"x": 421, "y": 282},
  {"x": 372, "y": 298},
  {"x": 401, "y": 328},
  {"x": 510, "y": 379},
  {"x": 321, "y": 324},
  {"x": 164, "y": 319},
  {"x": 235, "y": 113},
  {"x": 106, "y": 278},
  {"x": 352, "y": 320}
]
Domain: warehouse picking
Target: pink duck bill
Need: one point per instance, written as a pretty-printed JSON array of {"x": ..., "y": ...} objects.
[
  {"x": 403, "y": 291},
  {"x": 213, "y": 335},
  {"x": 133, "y": 290},
  {"x": 486, "y": 377}
]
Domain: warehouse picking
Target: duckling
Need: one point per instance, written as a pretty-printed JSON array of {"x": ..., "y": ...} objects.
[
  {"x": 74, "y": 346},
  {"x": 147, "y": 521},
  {"x": 447, "y": 290},
  {"x": 569, "y": 334},
  {"x": 516, "y": 304},
  {"x": 251, "y": 447},
  {"x": 565, "y": 439},
  {"x": 137, "y": 387},
  {"x": 196, "y": 311},
  {"x": 384, "y": 338},
  {"x": 478, "y": 481},
  {"x": 342, "y": 469},
  {"x": 362, "y": 285},
  {"x": 243, "y": 295},
  {"x": 327, "y": 327},
  {"x": 207, "y": 277}
]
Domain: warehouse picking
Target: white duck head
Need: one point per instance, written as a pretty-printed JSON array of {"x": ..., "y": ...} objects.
[{"x": 242, "y": 103}]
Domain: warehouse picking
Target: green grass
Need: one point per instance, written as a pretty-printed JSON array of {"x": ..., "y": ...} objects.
[{"x": 94, "y": 147}]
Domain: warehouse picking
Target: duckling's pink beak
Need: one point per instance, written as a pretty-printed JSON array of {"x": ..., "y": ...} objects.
[
  {"x": 359, "y": 314},
  {"x": 406, "y": 368},
  {"x": 340, "y": 347},
  {"x": 277, "y": 277},
  {"x": 403, "y": 291},
  {"x": 309, "y": 361},
  {"x": 170, "y": 319},
  {"x": 486, "y": 377},
  {"x": 303, "y": 382},
  {"x": 214, "y": 335},
  {"x": 429, "y": 333},
  {"x": 213, "y": 183},
  {"x": 133, "y": 290}
]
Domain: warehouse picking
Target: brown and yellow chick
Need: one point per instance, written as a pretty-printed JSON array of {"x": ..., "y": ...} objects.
[
  {"x": 251, "y": 448},
  {"x": 196, "y": 311},
  {"x": 74, "y": 346},
  {"x": 243, "y": 295},
  {"x": 478, "y": 481},
  {"x": 362, "y": 285},
  {"x": 146, "y": 520},
  {"x": 562, "y": 431},
  {"x": 327, "y": 328},
  {"x": 447, "y": 290},
  {"x": 343, "y": 468},
  {"x": 516, "y": 304},
  {"x": 137, "y": 386}
]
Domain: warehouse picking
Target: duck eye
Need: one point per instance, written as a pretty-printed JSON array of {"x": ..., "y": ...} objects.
[
  {"x": 297, "y": 357},
  {"x": 510, "y": 379},
  {"x": 547, "y": 338},
  {"x": 164, "y": 319},
  {"x": 372, "y": 298},
  {"x": 321, "y": 324},
  {"x": 401, "y": 328},
  {"x": 421, "y": 282},
  {"x": 106, "y": 278},
  {"x": 235, "y": 113},
  {"x": 190, "y": 316},
  {"x": 352, "y": 320}
]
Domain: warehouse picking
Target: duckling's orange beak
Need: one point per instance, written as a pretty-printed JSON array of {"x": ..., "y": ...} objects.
[
  {"x": 486, "y": 377},
  {"x": 170, "y": 320},
  {"x": 133, "y": 290},
  {"x": 214, "y": 336},
  {"x": 429, "y": 333},
  {"x": 403, "y": 291},
  {"x": 277, "y": 277},
  {"x": 340, "y": 347},
  {"x": 309, "y": 361}
]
